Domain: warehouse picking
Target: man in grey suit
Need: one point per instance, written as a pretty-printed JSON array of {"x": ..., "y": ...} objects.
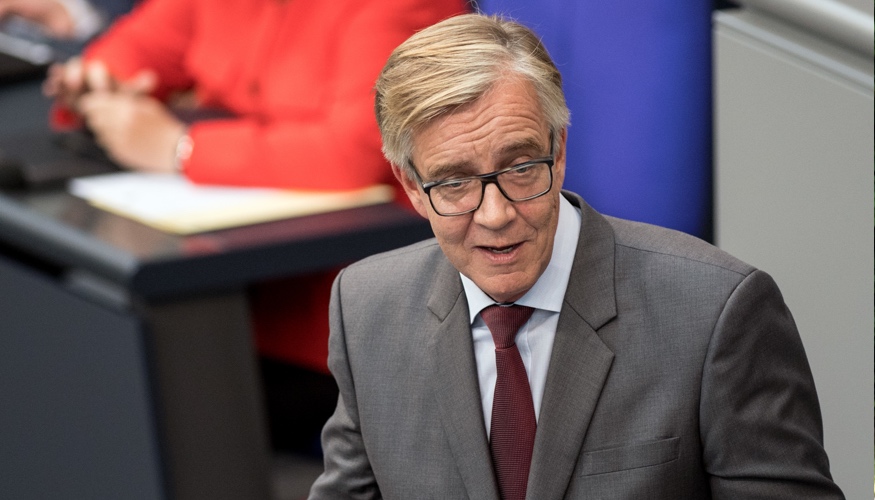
[{"x": 655, "y": 365}]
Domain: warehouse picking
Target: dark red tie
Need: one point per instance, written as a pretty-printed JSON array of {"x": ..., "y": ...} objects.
[{"x": 512, "y": 434}]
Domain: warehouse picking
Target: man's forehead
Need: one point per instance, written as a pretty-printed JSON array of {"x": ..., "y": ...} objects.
[
  {"x": 471, "y": 155},
  {"x": 456, "y": 142}
]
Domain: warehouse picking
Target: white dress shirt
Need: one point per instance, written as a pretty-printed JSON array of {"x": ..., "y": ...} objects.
[{"x": 535, "y": 338}]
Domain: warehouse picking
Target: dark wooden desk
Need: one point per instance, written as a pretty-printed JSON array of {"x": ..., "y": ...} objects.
[
  {"x": 126, "y": 363},
  {"x": 63, "y": 230}
]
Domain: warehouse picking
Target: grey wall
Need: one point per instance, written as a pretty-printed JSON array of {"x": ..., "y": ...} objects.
[
  {"x": 865, "y": 6},
  {"x": 794, "y": 196}
]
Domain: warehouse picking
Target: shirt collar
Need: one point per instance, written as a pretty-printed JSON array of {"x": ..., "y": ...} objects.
[{"x": 549, "y": 291}]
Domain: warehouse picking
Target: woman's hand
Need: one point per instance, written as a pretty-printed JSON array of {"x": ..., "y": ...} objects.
[
  {"x": 67, "y": 82},
  {"x": 136, "y": 130},
  {"x": 50, "y": 15}
]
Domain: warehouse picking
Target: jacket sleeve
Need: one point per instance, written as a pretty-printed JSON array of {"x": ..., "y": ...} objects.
[
  {"x": 761, "y": 427},
  {"x": 155, "y": 35},
  {"x": 347, "y": 473}
]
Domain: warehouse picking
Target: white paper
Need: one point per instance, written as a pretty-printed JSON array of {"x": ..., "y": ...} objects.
[{"x": 171, "y": 202}]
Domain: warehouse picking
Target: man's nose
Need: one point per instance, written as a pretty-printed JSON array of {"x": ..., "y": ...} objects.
[{"x": 495, "y": 210}]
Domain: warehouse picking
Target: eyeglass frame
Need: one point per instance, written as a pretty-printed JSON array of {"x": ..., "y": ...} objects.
[{"x": 490, "y": 178}]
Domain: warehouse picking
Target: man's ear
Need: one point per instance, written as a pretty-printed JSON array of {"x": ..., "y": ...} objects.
[{"x": 411, "y": 188}]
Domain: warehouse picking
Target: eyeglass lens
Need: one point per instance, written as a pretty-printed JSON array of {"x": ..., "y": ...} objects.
[{"x": 519, "y": 183}]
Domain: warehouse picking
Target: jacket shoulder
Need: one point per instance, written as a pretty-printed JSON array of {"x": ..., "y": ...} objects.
[
  {"x": 403, "y": 269},
  {"x": 648, "y": 239},
  {"x": 388, "y": 263}
]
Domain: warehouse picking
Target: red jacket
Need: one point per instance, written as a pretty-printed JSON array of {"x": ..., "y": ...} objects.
[{"x": 299, "y": 76}]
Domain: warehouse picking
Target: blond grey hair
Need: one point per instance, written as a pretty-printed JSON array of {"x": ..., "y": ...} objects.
[{"x": 453, "y": 63}]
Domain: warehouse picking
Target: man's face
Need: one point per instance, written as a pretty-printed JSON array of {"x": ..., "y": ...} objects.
[{"x": 502, "y": 246}]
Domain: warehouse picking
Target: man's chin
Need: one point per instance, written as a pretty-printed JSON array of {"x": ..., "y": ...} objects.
[{"x": 506, "y": 293}]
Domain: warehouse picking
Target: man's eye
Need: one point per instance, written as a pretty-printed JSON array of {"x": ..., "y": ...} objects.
[
  {"x": 523, "y": 169},
  {"x": 455, "y": 184}
]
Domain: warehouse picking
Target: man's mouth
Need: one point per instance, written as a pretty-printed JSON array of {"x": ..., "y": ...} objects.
[{"x": 502, "y": 250}]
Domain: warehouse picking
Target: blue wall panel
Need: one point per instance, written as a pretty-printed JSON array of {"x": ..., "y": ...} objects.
[{"x": 637, "y": 77}]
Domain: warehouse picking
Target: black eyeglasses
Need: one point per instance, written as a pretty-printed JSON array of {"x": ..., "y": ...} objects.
[{"x": 522, "y": 182}]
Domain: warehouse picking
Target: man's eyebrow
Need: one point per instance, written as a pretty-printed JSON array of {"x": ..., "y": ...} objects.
[
  {"x": 465, "y": 168},
  {"x": 444, "y": 170},
  {"x": 523, "y": 146}
]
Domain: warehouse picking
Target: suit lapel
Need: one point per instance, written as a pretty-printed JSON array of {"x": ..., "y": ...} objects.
[
  {"x": 580, "y": 361},
  {"x": 456, "y": 387}
]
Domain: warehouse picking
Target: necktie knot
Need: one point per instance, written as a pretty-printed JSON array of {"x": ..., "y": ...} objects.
[{"x": 504, "y": 321}]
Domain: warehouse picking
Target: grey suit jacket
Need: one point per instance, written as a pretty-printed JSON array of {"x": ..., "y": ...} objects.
[{"x": 677, "y": 373}]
